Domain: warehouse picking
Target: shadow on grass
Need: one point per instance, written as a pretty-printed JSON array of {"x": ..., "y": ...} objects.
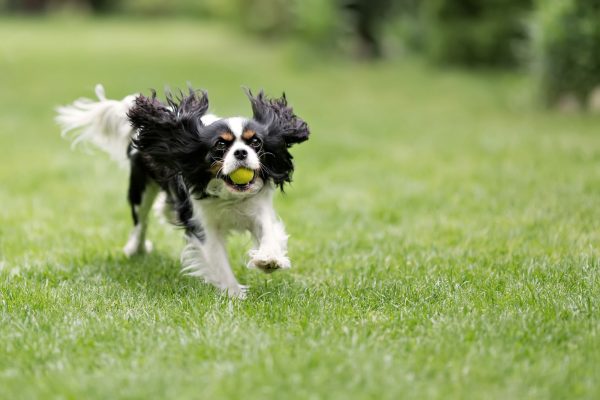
[
  {"x": 156, "y": 274},
  {"x": 159, "y": 274}
]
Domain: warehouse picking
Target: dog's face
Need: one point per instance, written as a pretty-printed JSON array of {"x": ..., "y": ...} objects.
[
  {"x": 180, "y": 139},
  {"x": 235, "y": 143}
]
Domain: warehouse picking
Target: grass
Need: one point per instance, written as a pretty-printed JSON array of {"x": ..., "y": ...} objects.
[{"x": 444, "y": 233}]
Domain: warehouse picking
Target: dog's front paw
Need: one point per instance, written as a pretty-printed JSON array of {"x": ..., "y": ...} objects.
[
  {"x": 237, "y": 291},
  {"x": 133, "y": 247},
  {"x": 268, "y": 262}
]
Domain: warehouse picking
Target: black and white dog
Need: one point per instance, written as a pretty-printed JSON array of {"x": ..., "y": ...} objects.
[{"x": 177, "y": 149}]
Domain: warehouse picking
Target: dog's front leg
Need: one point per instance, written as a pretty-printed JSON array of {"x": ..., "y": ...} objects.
[
  {"x": 207, "y": 258},
  {"x": 269, "y": 234}
]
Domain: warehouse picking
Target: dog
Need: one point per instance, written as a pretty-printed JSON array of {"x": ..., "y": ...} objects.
[{"x": 177, "y": 150}]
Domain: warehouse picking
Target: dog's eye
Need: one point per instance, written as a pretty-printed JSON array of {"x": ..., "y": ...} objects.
[
  {"x": 221, "y": 145},
  {"x": 255, "y": 142}
]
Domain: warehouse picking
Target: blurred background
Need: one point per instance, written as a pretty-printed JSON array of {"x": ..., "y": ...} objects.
[{"x": 556, "y": 41}]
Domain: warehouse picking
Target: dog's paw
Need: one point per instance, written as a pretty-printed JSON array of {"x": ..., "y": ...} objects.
[
  {"x": 238, "y": 291},
  {"x": 133, "y": 248},
  {"x": 268, "y": 262}
]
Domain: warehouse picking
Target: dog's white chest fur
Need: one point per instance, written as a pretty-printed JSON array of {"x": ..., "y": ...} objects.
[{"x": 228, "y": 211}]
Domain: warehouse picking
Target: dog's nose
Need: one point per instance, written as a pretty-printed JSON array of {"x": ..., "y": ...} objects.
[{"x": 240, "y": 154}]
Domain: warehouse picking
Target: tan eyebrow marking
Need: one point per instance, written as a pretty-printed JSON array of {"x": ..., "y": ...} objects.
[
  {"x": 227, "y": 136},
  {"x": 247, "y": 135}
]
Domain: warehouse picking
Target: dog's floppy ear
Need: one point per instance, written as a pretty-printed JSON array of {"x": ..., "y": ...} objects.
[
  {"x": 278, "y": 117},
  {"x": 169, "y": 134}
]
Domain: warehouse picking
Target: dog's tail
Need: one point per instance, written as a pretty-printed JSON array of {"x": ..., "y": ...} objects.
[{"x": 102, "y": 123}]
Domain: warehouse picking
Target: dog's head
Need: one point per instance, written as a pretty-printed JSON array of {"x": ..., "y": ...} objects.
[{"x": 179, "y": 138}]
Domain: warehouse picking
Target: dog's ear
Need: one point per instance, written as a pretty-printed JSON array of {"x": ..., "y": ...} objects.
[
  {"x": 169, "y": 135},
  {"x": 278, "y": 117}
]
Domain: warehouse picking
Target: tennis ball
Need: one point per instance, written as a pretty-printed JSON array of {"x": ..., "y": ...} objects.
[{"x": 241, "y": 176}]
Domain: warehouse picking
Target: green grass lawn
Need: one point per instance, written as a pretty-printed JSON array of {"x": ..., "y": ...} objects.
[{"x": 444, "y": 232}]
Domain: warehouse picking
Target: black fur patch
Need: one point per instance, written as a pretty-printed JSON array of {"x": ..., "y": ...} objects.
[
  {"x": 169, "y": 137},
  {"x": 179, "y": 198},
  {"x": 278, "y": 117},
  {"x": 283, "y": 129},
  {"x": 138, "y": 177}
]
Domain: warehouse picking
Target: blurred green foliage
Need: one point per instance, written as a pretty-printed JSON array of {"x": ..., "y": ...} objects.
[
  {"x": 315, "y": 21},
  {"x": 489, "y": 33},
  {"x": 475, "y": 32},
  {"x": 567, "y": 48}
]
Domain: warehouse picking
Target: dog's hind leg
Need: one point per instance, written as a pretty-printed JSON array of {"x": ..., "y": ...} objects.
[{"x": 142, "y": 193}]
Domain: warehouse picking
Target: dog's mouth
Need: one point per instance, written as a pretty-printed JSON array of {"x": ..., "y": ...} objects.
[{"x": 237, "y": 186}]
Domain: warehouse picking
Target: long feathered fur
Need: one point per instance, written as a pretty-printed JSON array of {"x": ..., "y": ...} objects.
[
  {"x": 284, "y": 130},
  {"x": 275, "y": 113},
  {"x": 102, "y": 123},
  {"x": 169, "y": 134}
]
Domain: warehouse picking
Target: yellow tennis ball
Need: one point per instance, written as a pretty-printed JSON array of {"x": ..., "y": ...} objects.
[{"x": 241, "y": 176}]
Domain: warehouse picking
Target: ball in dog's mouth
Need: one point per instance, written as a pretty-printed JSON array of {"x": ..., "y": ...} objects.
[
  {"x": 241, "y": 176},
  {"x": 241, "y": 179}
]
